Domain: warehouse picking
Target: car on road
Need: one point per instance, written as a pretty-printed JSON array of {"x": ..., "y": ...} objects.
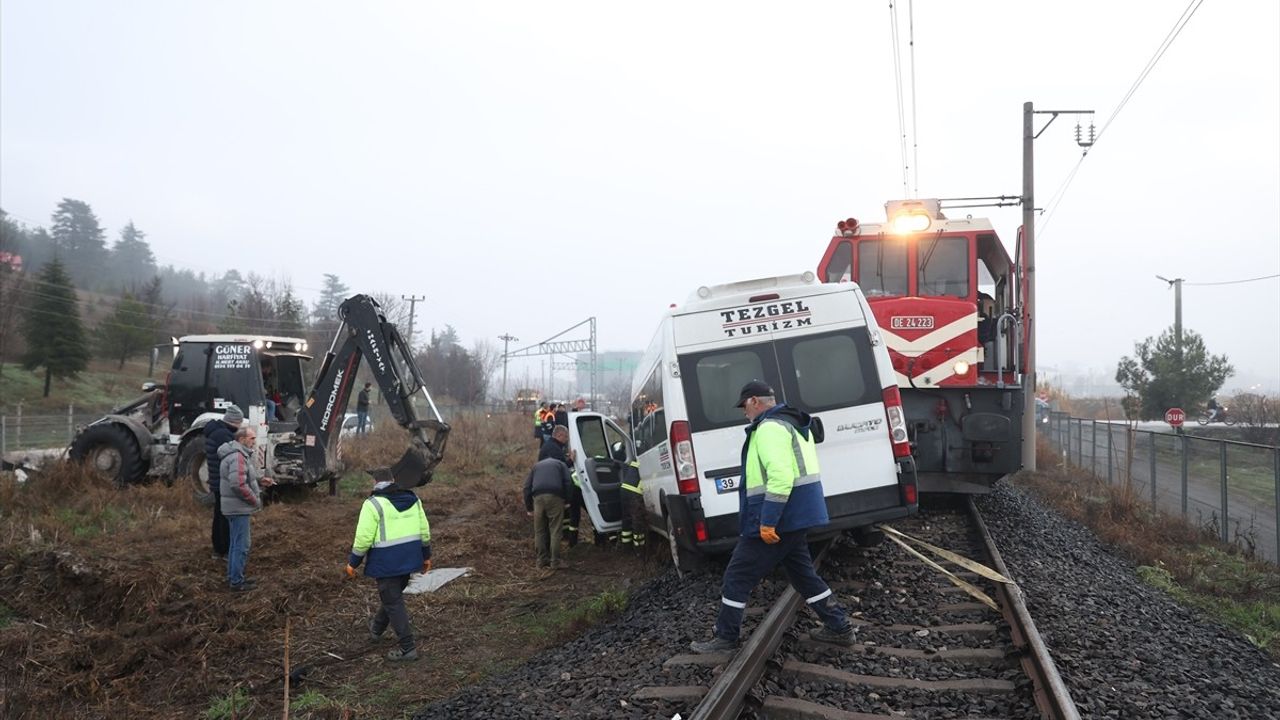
[{"x": 351, "y": 421}]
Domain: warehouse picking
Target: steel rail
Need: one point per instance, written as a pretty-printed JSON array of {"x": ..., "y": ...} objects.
[
  {"x": 1051, "y": 694},
  {"x": 723, "y": 700}
]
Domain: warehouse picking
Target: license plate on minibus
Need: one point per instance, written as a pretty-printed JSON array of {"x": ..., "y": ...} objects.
[{"x": 728, "y": 484}]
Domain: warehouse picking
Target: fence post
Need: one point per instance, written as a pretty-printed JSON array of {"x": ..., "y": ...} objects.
[
  {"x": 1222, "y": 466},
  {"x": 17, "y": 435},
  {"x": 1186, "y": 447},
  {"x": 70, "y": 415},
  {"x": 1276, "y": 453},
  {"x": 1093, "y": 450},
  {"x": 1110, "y": 451},
  {"x": 4, "y": 435},
  {"x": 1066, "y": 447},
  {"x": 1080, "y": 443},
  {"x": 1152, "y": 444}
]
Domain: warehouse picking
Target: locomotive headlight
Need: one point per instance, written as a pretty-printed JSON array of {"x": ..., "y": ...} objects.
[
  {"x": 961, "y": 368},
  {"x": 912, "y": 222},
  {"x": 257, "y": 344}
]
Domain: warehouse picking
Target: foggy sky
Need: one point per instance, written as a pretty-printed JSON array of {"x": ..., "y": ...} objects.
[{"x": 526, "y": 165}]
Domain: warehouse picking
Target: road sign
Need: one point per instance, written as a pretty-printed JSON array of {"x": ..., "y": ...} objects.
[{"x": 1175, "y": 417}]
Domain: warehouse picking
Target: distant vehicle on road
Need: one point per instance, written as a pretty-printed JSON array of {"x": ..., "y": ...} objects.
[
  {"x": 1222, "y": 415},
  {"x": 351, "y": 422}
]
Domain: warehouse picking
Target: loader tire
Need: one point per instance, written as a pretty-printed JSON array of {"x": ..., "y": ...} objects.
[
  {"x": 194, "y": 468},
  {"x": 110, "y": 452}
]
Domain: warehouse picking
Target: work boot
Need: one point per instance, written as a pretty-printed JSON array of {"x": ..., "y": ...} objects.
[
  {"x": 827, "y": 635},
  {"x": 399, "y": 655},
  {"x": 376, "y": 637},
  {"x": 247, "y": 585},
  {"x": 714, "y": 645}
]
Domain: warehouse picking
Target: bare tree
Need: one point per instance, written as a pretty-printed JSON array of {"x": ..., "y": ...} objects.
[
  {"x": 12, "y": 286},
  {"x": 1258, "y": 415},
  {"x": 488, "y": 358}
]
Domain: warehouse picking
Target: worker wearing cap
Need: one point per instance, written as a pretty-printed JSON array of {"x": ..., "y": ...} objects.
[
  {"x": 217, "y": 433},
  {"x": 781, "y": 499}
]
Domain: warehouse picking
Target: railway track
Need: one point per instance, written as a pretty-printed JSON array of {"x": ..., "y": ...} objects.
[{"x": 926, "y": 648}]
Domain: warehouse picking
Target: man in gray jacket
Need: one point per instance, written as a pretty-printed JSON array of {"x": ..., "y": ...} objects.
[
  {"x": 241, "y": 496},
  {"x": 545, "y": 492}
]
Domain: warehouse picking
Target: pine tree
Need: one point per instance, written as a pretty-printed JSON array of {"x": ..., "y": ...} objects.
[
  {"x": 127, "y": 333},
  {"x": 1161, "y": 379},
  {"x": 52, "y": 328},
  {"x": 79, "y": 240},
  {"x": 289, "y": 310},
  {"x": 331, "y": 296},
  {"x": 132, "y": 261}
]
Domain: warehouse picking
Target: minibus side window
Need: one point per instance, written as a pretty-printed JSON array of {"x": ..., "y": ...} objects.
[{"x": 648, "y": 419}]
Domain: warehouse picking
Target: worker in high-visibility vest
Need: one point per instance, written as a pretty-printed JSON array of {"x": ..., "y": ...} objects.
[
  {"x": 635, "y": 526},
  {"x": 539, "y": 416},
  {"x": 395, "y": 538},
  {"x": 781, "y": 499}
]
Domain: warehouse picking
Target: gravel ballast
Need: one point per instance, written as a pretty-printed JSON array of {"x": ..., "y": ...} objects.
[{"x": 1124, "y": 649}]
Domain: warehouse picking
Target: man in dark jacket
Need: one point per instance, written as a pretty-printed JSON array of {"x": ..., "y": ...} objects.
[
  {"x": 557, "y": 448},
  {"x": 362, "y": 408},
  {"x": 545, "y": 491},
  {"x": 216, "y": 434}
]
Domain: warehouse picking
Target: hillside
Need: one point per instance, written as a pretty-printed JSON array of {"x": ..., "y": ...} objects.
[{"x": 100, "y": 387}]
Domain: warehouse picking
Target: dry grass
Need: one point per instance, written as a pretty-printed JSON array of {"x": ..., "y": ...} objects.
[
  {"x": 1186, "y": 560},
  {"x": 111, "y": 607}
]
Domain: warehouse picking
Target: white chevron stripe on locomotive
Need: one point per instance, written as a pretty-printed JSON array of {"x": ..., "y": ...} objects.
[{"x": 931, "y": 339}]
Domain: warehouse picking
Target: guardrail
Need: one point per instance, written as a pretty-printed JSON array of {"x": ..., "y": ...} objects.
[{"x": 1231, "y": 486}]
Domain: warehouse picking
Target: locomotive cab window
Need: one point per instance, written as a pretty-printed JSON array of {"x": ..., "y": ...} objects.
[
  {"x": 943, "y": 266},
  {"x": 882, "y": 267}
]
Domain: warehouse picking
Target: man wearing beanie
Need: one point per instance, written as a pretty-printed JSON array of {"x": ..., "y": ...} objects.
[{"x": 216, "y": 434}]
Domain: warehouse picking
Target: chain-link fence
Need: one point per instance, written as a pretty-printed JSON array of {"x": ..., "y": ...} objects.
[
  {"x": 1230, "y": 486},
  {"x": 20, "y": 431}
]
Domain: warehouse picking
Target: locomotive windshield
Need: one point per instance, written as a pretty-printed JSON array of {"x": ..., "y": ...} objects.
[
  {"x": 882, "y": 267},
  {"x": 943, "y": 267}
]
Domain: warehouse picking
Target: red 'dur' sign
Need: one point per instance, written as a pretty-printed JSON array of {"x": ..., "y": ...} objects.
[{"x": 1175, "y": 417}]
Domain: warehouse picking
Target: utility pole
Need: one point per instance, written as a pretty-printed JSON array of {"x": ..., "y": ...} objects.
[
  {"x": 506, "y": 340},
  {"x": 413, "y": 305},
  {"x": 1028, "y": 261},
  {"x": 1176, "y": 284}
]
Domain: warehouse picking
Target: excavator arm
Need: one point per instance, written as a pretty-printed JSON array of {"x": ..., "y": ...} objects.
[{"x": 365, "y": 333}]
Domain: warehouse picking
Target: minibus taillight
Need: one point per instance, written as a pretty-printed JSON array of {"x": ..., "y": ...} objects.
[
  {"x": 686, "y": 466},
  {"x": 897, "y": 422}
]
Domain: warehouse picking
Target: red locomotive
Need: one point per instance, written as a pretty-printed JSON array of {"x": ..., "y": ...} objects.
[{"x": 946, "y": 296}]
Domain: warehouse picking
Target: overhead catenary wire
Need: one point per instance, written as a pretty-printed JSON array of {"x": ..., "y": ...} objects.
[
  {"x": 897, "y": 78},
  {"x": 915, "y": 129},
  {"x": 1056, "y": 200},
  {"x": 1235, "y": 282}
]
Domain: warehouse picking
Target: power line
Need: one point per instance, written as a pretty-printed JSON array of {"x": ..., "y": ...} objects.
[
  {"x": 1169, "y": 37},
  {"x": 1236, "y": 282},
  {"x": 897, "y": 76},
  {"x": 915, "y": 131}
]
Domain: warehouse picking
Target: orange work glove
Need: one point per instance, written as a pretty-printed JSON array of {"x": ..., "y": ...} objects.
[
  {"x": 351, "y": 572},
  {"x": 426, "y": 566},
  {"x": 769, "y": 535}
]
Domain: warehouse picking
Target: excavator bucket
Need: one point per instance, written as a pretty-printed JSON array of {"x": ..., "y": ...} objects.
[{"x": 416, "y": 466}]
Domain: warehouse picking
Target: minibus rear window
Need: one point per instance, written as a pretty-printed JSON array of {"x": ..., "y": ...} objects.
[{"x": 817, "y": 372}]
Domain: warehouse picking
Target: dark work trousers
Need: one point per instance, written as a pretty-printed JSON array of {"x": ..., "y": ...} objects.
[
  {"x": 221, "y": 530},
  {"x": 572, "y": 516},
  {"x": 393, "y": 611},
  {"x": 753, "y": 559}
]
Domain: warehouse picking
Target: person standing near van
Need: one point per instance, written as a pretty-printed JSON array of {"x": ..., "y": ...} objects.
[
  {"x": 362, "y": 408},
  {"x": 545, "y": 491},
  {"x": 557, "y": 448},
  {"x": 635, "y": 526},
  {"x": 781, "y": 499}
]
